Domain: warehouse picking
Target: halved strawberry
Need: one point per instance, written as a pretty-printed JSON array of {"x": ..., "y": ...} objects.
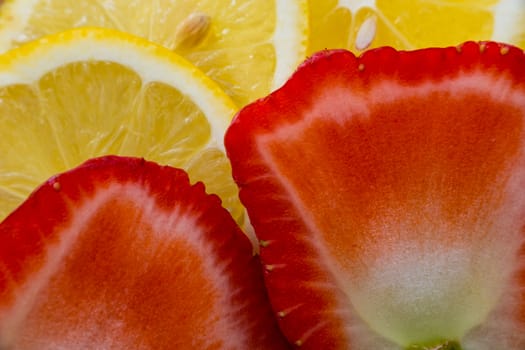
[
  {"x": 388, "y": 192},
  {"x": 121, "y": 253}
]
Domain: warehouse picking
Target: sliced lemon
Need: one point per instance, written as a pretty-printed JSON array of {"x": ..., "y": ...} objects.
[
  {"x": 249, "y": 47},
  {"x": 408, "y": 24},
  {"x": 90, "y": 92}
]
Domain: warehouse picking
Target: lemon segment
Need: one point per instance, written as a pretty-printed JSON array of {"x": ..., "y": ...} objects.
[
  {"x": 248, "y": 47},
  {"x": 91, "y": 92},
  {"x": 438, "y": 23},
  {"x": 362, "y": 24},
  {"x": 330, "y": 25}
]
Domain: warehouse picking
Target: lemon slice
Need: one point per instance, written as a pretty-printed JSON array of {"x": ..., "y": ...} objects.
[
  {"x": 90, "y": 92},
  {"x": 247, "y": 47},
  {"x": 361, "y": 24}
]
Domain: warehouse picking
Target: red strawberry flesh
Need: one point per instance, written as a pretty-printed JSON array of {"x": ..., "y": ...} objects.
[
  {"x": 123, "y": 253},
  {"x": 387, "y": 191}
]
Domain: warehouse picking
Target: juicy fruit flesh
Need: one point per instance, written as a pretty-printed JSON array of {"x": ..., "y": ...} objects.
[
  {"x": 440, "y": 232},
  {"x": 71, "y": 115},
  {"x": 412, "y": 24},
  {"x": 387, "y": 195},
  {"x": 103, "y": 297},
  {"x": 228, "y": 50},
  {"x": 124, "y": 253}
]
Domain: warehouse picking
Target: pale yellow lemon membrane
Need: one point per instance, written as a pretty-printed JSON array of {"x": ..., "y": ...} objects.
[
  {"x": 509, "y": 15},
  {"x": 285, "y": 40}
]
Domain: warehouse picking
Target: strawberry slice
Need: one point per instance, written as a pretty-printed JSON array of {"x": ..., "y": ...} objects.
[
  {"x": 121, "y": 253},
  {"x": 388, "y": 194}
]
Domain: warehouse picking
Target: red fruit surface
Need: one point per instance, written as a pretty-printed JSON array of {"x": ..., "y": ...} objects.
[
  {"x": 388, "y": 192},
  {"x": 121, "y": 253}
]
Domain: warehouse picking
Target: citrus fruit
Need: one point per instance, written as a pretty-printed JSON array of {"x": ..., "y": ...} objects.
[
  {"x": 248, "y": 47},
  {"x": 87, "y": 92},
  {"x": 406, "y": 24}
]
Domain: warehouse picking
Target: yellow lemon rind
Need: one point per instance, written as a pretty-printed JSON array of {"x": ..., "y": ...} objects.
[{"x": 26, "y": 64}]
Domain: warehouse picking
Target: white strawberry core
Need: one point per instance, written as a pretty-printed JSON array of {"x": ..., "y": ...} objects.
[
  {"x": 430, "y": 291},
  {"x": 416, "y": 268},
  {"x": 400, "y": 301}
]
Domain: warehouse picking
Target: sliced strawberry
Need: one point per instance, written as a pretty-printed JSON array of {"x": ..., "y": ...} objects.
[
  {"x": 388, "y": 194},
  {"x": 121, "y": 253}
]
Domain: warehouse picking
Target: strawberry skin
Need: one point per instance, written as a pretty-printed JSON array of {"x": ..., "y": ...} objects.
[
  {"x": 121, "y": 253},
  {"x": 387, "y": 194}
]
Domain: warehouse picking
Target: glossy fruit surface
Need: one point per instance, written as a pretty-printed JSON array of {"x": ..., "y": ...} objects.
[
  {"x": 121, "y": 253},
  {"x": 387, "y": 192}
]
